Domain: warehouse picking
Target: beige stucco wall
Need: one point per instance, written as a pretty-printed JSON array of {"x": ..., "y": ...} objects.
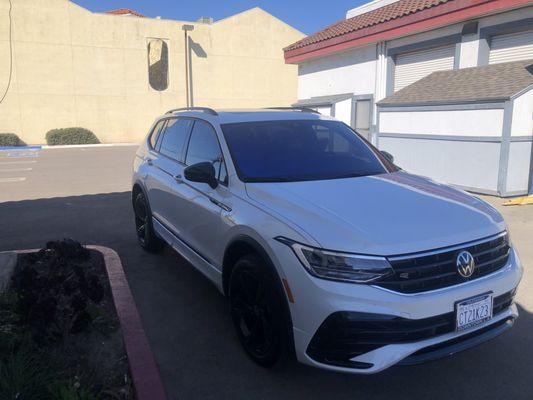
[{"x": 72, "y": 67}]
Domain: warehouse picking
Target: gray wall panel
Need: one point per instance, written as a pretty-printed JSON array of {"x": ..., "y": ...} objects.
[
  {"x": 468, "y": 164},
  {"x": 519, "y": 168}
]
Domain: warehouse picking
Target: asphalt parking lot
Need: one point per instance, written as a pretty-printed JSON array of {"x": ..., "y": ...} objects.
[{"x": 84, "y": 194}]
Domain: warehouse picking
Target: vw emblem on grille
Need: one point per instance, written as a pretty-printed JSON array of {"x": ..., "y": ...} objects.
[{"x": 465, "y": 264}]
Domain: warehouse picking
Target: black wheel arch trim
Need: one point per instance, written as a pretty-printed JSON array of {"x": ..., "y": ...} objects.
[{"x": 143, "y": 189}]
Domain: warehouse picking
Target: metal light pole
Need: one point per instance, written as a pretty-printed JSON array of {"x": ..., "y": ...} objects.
[{"x": 186, "y": 29}]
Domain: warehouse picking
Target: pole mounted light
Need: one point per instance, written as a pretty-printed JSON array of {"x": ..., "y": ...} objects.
[{"x": 187, "y": 28}]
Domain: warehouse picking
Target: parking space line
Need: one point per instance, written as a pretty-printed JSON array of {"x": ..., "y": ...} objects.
[
  {"x": 7, "y": 180},
  {"x": 15, "y": 169},
  {"x": 17, "y": 162},
  {"x": 18, "y": 153},
  {"x": 2, "y": 157}
]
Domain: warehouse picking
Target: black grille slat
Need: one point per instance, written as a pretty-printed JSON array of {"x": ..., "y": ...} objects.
[
  {"x": 489, "y": 251},
  {"x": 423, "y": 272},
  {"x": 427, "y": 266}
]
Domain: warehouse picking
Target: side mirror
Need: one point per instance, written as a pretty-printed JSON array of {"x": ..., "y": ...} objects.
[
  {"x": 202, "y": 172},
  {"x": 388, "y": 155}
]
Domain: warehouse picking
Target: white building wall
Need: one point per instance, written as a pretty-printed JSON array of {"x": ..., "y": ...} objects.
[
  {"x": 472, "y": 165},
  {"x": 350, "y": 72},
  {"x": 343, "y": 111},
  {"x": 422, "y": 37},
  {"x": 450, "y": 123},
  {"x": 519, "y": 166},
  {"x": 372, "y": 5},
  {"x": 522, "y": 124},
  {"x": 357, "y": 70},
  {"x": 509, "y": 16},
  {"x": 469, "y": 51}
]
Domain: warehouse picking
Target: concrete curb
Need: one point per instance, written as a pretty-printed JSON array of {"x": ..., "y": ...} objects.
[
  {"x": 144, "y": 371},
  {"x": 69, "y": 146}
]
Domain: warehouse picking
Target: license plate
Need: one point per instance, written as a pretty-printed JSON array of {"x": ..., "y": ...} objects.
[{"x": 474, "y": 311}]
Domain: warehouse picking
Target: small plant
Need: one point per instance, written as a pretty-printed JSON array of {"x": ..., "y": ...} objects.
[
  {"x": 23, "y": 375},
  {"x": 65, "y": 136},
  {"x": 55, "y": 291},
  {"x": 72, "y": 391},
  {"x": 10, "y": 139}
]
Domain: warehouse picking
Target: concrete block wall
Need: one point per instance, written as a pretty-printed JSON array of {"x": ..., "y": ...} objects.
[{"x": 72, "y": 67}]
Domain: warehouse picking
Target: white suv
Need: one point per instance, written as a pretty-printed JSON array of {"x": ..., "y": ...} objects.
[{"x": 325, "y": 248}]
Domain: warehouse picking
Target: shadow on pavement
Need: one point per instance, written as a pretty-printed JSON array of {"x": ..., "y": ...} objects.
[{"x": 190, "y": 331}]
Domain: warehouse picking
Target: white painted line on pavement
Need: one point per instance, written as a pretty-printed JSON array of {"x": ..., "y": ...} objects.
[
  {"x": 10, "y": 157},
  {"x": 6, "y": 180},
  {"x": 17, "y": 162},
  {"x": 15, "y": 169}
]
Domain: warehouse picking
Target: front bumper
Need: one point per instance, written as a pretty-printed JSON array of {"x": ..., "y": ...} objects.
[{"x": 317, "y": 299}]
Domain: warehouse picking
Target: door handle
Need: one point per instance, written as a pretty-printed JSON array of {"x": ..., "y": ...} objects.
[
  {"x": 178, "y": 178},
  {"x": 220, "y": 204},
  {"x": 149, "y": 161}
]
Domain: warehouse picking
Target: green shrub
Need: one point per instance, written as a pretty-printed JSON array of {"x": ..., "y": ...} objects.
[
  {"x": 70, "y": 136},
  {"x": 10, "y": 139}
]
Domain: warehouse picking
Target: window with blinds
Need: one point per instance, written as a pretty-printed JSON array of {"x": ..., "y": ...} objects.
[
  {"x": 410, "y": 67},
  {"x": 511, "y": 47}
]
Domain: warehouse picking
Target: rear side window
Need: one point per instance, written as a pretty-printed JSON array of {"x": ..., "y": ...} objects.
[
  {"x": 174, "y": 138},
  {"x": 203, "y": 146},
  {"x": 155, "y": 133}
]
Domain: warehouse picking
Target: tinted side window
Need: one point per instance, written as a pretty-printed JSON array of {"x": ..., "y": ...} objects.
[
  {"x": 175, "y": 137},
  {"x": 203, "y": 146},
  {"x": 155, "y": 133}
]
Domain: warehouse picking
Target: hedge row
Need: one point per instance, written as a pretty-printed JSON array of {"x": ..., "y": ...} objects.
[
  {"x": 70, "y": 136},
  {"x": 55, "y": 137},
  {"x": 10, "y": 139}
]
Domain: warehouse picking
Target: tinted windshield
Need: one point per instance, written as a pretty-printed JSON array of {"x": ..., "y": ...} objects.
[{"x": 279, "y": 151}]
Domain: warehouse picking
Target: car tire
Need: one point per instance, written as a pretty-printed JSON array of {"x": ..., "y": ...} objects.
[
  {"x": 143, "y": 225},
  {"x": 258, "y": 311}
]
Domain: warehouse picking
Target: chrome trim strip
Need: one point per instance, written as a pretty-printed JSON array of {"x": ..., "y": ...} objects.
[
  {"x": 446, "y": 249},
  {"x": 184, "y": 243}
]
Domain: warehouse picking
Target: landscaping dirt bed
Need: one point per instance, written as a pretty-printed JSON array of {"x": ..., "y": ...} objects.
[{"x": 60, "y": 336}]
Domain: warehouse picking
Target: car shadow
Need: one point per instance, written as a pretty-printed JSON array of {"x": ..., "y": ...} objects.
[{"x": 190, "y": 331}]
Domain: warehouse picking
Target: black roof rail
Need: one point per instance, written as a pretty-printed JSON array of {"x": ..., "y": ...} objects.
[
  {"x": 204, "y": 109},
  {"x": 301, "y": 109}
]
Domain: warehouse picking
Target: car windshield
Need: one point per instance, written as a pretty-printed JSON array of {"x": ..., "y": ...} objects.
[{"x": 298, "y": 150}]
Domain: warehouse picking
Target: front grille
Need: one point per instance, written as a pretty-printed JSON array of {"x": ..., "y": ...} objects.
[
  {"x": 429, "y": 271},
  {"x": 345, "y": 335}
]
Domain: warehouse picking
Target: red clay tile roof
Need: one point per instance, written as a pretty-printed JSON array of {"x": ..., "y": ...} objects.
[
  {"x": 124, "y": 11},
  {"x": 389, "y": 12}
]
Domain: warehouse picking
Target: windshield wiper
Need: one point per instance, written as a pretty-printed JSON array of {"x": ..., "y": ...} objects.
[
  {"x": 274, "y": 179},
  {"x": 345, "y": 176}
]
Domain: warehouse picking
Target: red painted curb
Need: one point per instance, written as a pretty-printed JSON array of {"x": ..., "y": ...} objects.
[{"x": 144, "y": 372}]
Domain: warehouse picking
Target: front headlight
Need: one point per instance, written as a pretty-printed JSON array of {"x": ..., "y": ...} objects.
[{"x": 339, "y": 266}]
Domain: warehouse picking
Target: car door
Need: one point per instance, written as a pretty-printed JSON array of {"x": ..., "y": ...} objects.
[
  {"x": 199, "y": 211},
  {"x": 167, "y": 160}
]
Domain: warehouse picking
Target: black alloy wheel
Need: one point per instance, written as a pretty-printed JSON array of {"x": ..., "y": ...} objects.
[
  {"x": 256, "y": 310},
  {"x": 143, "y": 225}
]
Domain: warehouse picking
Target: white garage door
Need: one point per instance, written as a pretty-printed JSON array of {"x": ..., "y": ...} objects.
[
  {"x": 411, "y": 67},
  {"x": 511, "y": 47}
]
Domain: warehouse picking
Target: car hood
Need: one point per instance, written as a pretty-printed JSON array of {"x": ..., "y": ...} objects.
[{"x": 388, "y": 214}]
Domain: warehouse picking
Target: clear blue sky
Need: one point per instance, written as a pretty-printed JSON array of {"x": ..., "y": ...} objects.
[{"x": 307, "y": 16}]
